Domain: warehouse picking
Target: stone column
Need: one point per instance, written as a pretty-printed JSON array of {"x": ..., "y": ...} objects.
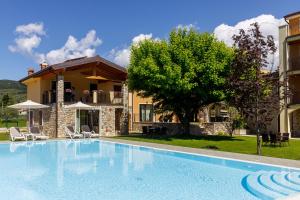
[
  {"x": 124, "y": 117},
  {"x": 60, "y": 119}
]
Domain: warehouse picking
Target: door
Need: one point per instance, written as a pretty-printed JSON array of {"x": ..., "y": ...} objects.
[{"x": 88, "y": 117}]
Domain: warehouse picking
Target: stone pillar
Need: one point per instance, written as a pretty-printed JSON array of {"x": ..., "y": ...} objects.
[
  {"x": 60, "y": 119},
  {"x": 124, "y": 117}
]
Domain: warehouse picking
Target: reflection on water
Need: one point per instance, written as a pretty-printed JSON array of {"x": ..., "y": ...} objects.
[
  {"x": 92, "y": 169},
  {"x": 76, "y": 158}
]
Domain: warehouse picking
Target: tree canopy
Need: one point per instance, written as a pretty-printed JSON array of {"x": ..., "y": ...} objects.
[
  {"x": 253, "y": 87},
  {"x": 182, "y": 74}
]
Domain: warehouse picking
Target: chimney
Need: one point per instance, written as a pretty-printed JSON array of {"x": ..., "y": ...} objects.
[
  {"x": 30, "y": 71},
  {"x": 43, "y": 65}
]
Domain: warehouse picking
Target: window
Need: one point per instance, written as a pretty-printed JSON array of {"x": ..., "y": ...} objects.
[
  {"x": 146, "y": 112},
  {"x": 117, "y": 91}
]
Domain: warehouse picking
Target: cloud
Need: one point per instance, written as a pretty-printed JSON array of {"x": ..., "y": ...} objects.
[
  {"x": 74, "y": 48},
  {"x": 268, "y": 26},
  {"x": 32, "y": 28},
  {"x": 122, "y": 56},
  {"x": 187, "y": 26},
  {"x": 29, "y": 38}
]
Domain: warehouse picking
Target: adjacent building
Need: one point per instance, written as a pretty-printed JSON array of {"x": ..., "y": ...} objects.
[{"x": 289, "y": 69}]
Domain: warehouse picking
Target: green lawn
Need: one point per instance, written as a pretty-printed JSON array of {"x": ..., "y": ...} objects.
[
  {"x": 10, "y": 123},
  {"x": 4, "y": 136},
  {"x": 238, "y": 144}
]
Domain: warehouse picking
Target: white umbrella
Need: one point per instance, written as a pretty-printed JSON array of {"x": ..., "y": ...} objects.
[
  {"x": 79, "y": 106},
  {"x": 28, "y": 105}
]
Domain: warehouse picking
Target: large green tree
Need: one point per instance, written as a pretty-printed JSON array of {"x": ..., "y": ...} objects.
[{"x": 181, "y": 74}]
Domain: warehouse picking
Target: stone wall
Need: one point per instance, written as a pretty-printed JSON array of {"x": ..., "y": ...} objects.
[
  {"x": 107, "y": 121},
  {"x": 215, "y": 128},
  {"x": 212, "y": 128},
  {"x": 49, "y": 124},
  {"x": 60, "y": 106},
  {"x": 125, "y": 114}
]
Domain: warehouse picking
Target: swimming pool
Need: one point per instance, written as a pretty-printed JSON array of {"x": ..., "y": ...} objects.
[{"x": 95, "y": 169}]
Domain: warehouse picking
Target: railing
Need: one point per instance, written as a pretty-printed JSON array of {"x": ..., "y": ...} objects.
[{"x": 94, "y": 97}]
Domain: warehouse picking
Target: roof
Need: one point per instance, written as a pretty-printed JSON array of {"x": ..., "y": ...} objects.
[
  {"x": 292, "y": 14},
  {"x": 73, "y": 63}
]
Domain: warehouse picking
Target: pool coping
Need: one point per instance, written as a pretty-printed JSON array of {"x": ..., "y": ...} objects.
[
  {"x": 276, "y": 162},
  {"x": 265, "y": 160}
]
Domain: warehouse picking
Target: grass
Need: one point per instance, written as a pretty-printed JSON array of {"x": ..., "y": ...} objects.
[
  {"x": 4, "y": 136},
  {"x": 10, "y": 123},
  {"x": 237, "y": 144}
]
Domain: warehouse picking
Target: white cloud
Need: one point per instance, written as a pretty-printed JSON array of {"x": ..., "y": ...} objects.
[
  {"x": 122, "y": 56},
  {"x": 29, "y": 38},
  {"x": 74, "y": 48},
  {"x": 141, "y": 37},
  {"x": 187, "y": 26},
  {"x": 268, "y": 26},
  {"x": 32, "y": 28}
]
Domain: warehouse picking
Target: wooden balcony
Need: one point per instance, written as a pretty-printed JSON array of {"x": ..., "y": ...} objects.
[
  {"x": 97, "y": 97},
  {"x": 294, "y": 26}
]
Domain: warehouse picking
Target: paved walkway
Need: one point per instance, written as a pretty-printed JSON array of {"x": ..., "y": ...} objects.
[{"x": 245, "y": 157}]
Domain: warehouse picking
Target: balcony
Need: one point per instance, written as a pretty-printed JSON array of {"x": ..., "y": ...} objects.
[
  {"x": 294, "y": 26},
  {"x": 96, "y": 97},
  {"x": 294, "y": 63},
  {"x": 294, "y": 82}
]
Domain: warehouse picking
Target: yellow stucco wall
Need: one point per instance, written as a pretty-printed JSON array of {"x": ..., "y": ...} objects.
[
  {"x": 135, "y": 102},
  {"x": 34, "y": 89}
]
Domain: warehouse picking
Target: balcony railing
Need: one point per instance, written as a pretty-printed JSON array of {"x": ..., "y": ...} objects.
[{"x": 88, "y": 97}]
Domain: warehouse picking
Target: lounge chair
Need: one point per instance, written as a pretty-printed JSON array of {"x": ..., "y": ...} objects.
[
  {"x": 86, "y": 131},
  {"x": 37, "y": 134},
  {"x": 71, "y": 133},
  {"x": 15, "y": 134}
]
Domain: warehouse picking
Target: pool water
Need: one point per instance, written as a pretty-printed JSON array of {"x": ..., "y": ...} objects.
[{"x": 95, "y": 169}]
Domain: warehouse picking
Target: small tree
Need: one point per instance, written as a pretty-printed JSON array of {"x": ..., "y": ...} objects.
[
  {"x": 181, "y": 74},
  {"x": 252, "y": 89}
]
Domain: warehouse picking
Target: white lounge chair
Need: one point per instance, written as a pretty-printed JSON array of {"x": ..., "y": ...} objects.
[
  {"x": 86, "y": 131},
  {"x": 37, "y": 134},
  {"x": 15, "y": 134},
  {"x": 71, "y": 133}
]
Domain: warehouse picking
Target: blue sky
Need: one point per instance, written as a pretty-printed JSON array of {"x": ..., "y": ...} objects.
[{"x": 114, "y": 24}]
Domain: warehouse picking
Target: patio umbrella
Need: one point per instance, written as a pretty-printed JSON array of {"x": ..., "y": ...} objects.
[
  {"x": 79, "y": 106},
  {"x": 28, "y": 105}
]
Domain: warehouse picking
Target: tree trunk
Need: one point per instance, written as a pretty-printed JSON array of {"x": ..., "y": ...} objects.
[
  {"x": 186, "y": 127},
  {"x": 258, "y": 144}
]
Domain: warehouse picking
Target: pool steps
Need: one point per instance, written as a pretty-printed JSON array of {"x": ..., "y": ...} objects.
[{"x": 270, "y": 185}]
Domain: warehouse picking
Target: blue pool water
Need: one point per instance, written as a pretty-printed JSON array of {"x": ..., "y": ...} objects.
[{"x": 93, "y": 169}]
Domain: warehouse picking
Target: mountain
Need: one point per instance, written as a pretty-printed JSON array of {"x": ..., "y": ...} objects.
[{"x": 15, "y": 90}]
